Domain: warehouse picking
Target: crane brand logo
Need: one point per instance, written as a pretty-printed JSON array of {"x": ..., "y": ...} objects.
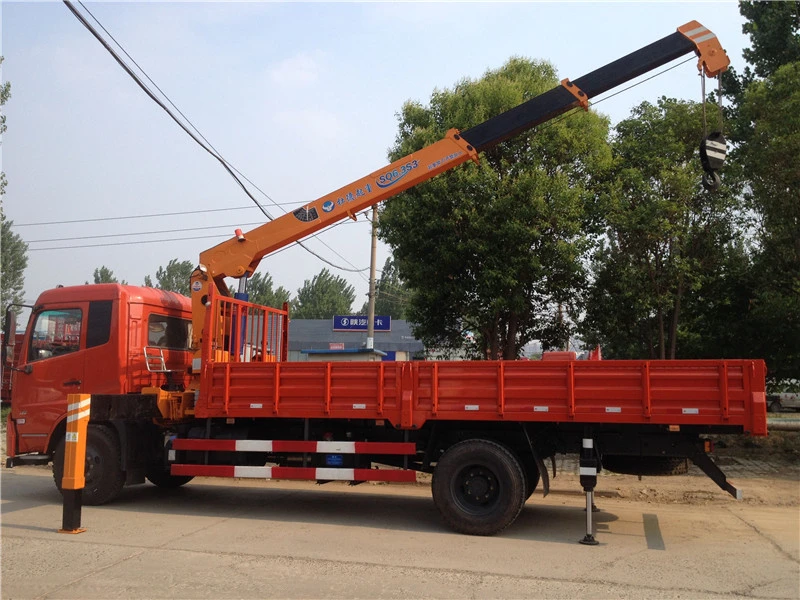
[
  {"x": 389, "y": 178},
  {"x": 328, "y": 206}
]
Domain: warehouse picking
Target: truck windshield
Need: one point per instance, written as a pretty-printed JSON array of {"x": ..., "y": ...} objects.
[
  {"x": 169, "y": 332},
  {"x": 56, "y": 332}
]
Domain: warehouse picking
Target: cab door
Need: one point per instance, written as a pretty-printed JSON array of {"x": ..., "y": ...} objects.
[{"x": 52, "y": 366}]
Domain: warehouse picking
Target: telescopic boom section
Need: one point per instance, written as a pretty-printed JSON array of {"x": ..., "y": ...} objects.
[{"x": 241, "y": 255}]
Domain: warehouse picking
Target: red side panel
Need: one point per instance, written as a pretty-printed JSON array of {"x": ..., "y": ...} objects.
[{"x": 700, "y": 392}]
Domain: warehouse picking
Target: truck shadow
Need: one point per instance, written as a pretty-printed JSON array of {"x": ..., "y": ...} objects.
[{"x": 393, "y": 508}]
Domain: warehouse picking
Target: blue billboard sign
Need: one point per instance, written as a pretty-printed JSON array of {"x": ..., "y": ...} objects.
[{"x": 359, "y": 323}]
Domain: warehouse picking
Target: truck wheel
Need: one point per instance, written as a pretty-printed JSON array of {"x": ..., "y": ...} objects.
[
  {"x": 161, "y": 478},
  {"x": 479, "y": 487},
  {"x": 104, "y": 478}
]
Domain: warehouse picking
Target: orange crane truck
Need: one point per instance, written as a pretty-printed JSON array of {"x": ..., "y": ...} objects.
[{"x": 484, "y": 429}]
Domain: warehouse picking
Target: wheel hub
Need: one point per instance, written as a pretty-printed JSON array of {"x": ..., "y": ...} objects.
[{"x": 479, "y": 486}]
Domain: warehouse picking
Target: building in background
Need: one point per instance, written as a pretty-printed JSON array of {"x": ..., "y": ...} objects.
[{"x": 316, "y": 339}]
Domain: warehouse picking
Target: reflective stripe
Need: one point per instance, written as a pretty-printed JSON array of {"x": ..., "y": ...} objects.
[
  {"x": 78, "y": 405},
  {"x": 588, "y": 470},
  {"x": 253, "y": 472},
  {"x": 253, "y": 446},
  {"x": 690, "y": 411},
  {"x": 695, "y": 32},
  {"x": 588, "y": 443},
  {"x": 340, "y": 474},
  {"x": 704, "y": 38},
  {"x": 80, "y": 415},
  {"x": 716, "y": 145},
  {"x": 715, "y": 154}
]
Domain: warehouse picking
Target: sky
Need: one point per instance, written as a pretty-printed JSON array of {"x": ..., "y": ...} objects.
[{"x": 300, "y": 97}]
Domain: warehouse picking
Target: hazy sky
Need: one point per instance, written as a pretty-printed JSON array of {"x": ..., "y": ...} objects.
[{"x": 300, "y": 97}]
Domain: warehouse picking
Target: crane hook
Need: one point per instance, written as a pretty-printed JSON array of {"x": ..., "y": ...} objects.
[{"x": 714, "y": 147}]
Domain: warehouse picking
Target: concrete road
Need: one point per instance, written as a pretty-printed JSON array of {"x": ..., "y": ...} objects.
[{"x": 297, "y": 540}]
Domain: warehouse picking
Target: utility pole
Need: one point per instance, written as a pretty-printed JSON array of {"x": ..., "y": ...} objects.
[{"x": 371, "y": 303}]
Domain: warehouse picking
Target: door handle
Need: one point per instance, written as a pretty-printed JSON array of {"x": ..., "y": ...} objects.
[{"x": 72, "y": 382}]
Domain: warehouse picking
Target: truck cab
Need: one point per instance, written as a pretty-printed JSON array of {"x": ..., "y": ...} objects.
[{"x": 102, "y": 339}]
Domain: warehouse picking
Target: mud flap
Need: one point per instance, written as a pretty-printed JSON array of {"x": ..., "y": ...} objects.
[{"x": 543, "y": 474}]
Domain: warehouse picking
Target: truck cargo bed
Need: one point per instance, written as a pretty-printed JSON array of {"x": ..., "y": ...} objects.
[{"x": 407, "y": 394}]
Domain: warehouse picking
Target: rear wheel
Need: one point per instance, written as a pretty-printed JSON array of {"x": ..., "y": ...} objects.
[
  {"x": 479, "y": 487},
  {"x": 104, "y": 477}
]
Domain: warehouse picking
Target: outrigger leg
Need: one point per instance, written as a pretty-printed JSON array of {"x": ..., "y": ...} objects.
[{"x": 588, "y": 478}]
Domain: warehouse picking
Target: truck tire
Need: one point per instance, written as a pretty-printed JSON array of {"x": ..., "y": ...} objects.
[
  {"x": 479, "y": 487},
  {"x": 646, "y": 465},
  {"x": 532, "y": 475},
  {"x": 161, "y": 478},
  {"x": 104, "y": 477}
]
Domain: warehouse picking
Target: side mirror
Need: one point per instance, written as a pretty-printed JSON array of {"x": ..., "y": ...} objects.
[{"x": 9, "y": 336}]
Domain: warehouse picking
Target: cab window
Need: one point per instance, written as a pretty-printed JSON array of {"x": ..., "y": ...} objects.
[
  {"x": 55, "y": 333},
  {"x": 169, "y": 332}
]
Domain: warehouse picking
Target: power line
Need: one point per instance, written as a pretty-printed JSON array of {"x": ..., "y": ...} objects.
[
  {"x": 200, "y": 237},
  {"x": 208, "y": 148},
  {"x": 112, "y": 235},
  {"x": 169, "y": 214}
]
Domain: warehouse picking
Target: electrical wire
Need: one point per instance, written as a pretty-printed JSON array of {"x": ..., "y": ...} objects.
[
  {"x": 116, "y": 235},
  {"x": 91, "y": 237},
  {"x": 208, "y": 148},
  {"x": 169, "y": 214}
]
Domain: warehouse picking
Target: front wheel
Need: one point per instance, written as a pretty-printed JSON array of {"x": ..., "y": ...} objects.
[
  {"x": 102, "y": 472},
  {"x": 479, "y": 487}
]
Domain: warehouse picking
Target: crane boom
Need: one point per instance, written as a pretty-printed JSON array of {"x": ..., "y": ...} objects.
[{"x": 241, "y": 255}]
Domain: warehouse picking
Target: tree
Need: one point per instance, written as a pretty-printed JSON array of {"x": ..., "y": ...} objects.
[
  {"x": 5, "y": 94},
  {"x": 13, "y": 250},
  {"x": 391, "y": 293},
  {"x": 664, "y": 233},
  {"x": 763, "y": 123},
  {"x": 773, "y": 31},
  {"x": 13, "y": 261},
  {"x": 105, "y": 275},
  {"x": 771, "y": 160},
  {"x": 323, "y": 297},
  {"x": 175, "y": 277},
  {"x": 261, "y": 292},
  {"x": 492, "y": 251}
]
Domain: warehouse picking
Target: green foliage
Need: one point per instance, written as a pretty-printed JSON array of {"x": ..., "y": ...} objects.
[
  {"x": 260, "y": 290},
  {"x": 105, "y": 275},
  {"x": 13, "y": 251},
  {"x": 494, "y": 249},
  {"x": 5, "y": 94},
  {"x": 175, "y": 277},
  {"x": 13, "y": 261},
  {"x": 664, "y": 233},
  {"x": 773, "y": 30},
  {"x": 771, "y": 160},
  {"x": 392, "y": 296},
  {"x": 323, "y": 297}
]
